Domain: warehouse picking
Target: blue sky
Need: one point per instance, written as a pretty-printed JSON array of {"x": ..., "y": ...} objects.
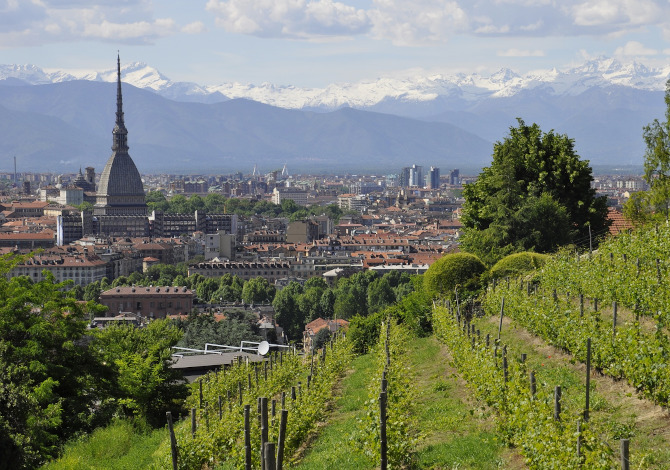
[{"x": 313, "y": 43}]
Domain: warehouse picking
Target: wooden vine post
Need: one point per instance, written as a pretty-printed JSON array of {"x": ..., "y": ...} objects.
[
  {"x": 281, "y": 439},
  {"x": 588, "y": 379},
  {"x": 382, "y": 431},
  {"x": 247, "y": 437},
  {"x": 502, "y": 313},
  {"x": 173, "y": 441}
]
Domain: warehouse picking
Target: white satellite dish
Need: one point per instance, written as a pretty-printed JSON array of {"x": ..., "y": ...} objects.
[{"x": 263, "y": 348}]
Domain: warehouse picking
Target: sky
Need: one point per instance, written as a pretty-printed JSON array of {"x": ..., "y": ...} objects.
[{"x": 312, "y": 43}]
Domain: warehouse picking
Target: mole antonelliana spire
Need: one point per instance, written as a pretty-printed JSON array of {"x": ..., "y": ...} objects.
[{"x": 120, "y": 191}]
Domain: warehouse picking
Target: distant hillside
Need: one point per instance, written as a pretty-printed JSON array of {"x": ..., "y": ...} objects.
[{"x": 61, "y": 126}]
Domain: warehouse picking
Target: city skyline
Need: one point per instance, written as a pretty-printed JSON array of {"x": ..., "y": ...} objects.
[{"x": 317, "y": 42}]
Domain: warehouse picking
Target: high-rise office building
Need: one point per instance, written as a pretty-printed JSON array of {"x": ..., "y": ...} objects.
[{"x": 433, "y": 179}]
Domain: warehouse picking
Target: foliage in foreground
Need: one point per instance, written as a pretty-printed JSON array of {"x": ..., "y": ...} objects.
[
  {"x": 523, "y": 420},
  {"x": 50, "y": 378},
  {"x": 219, "y": 437},
  {"x": 119, "y": 446}
]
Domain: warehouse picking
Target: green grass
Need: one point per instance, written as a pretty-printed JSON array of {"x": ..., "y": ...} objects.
[
  {"x": 458, "y": 434},
  {"x": 331, "y": 448},
  {"x": 118, "y": 446}
]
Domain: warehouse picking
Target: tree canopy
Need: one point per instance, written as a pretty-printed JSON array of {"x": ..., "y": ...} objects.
[
  {"x": 50, "y": 378},
  {"x": 535, "y": 196},
  {"x": 654, "y": 203}
]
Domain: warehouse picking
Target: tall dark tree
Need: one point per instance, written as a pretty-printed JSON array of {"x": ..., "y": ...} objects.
[
  {"x": 657, "y": 161},
  {"x": 288, "y": 314},
  {"x": 536, "y": 195}
]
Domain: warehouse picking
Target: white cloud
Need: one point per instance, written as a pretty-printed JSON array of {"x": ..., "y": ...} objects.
[
  {"x": 124, "y": 31},
  {"x": 289, "y": 18},
  {"x": 616, "y": 12},
  {"x": 633, "y": 49},
  {"x": 196, "y": 27},
  {"x": 33, "y": 22},
  {"x": 521, "y": 53},
  {"x": 417, "y": 22}
]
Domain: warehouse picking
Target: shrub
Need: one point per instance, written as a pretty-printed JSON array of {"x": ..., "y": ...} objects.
[
  {"x": 517, "y": 264},
  {"x": 458, "y": 270}
]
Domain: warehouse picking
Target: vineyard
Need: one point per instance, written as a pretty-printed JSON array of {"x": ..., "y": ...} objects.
[{"x": 564, "y": 367}]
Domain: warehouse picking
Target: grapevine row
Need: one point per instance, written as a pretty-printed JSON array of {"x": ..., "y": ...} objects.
[
  {"x": 525, "y": 417},
  {"x": 622, "y": 351},
  {"x": 631, "y": 268},
  {"x": 300, "y": 384},
  {"x": 394, "y": 376}
]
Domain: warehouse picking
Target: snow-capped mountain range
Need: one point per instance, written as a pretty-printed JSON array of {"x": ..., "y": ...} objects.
[
  {"x": 505, "y": 83},
  {"x": 449, "y": 121}
]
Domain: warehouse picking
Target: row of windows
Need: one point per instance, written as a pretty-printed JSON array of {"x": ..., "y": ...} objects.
[{"x": 113, "y": 306}]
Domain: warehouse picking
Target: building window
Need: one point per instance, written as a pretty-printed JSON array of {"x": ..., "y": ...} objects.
[{"x": 139, "y": 306}]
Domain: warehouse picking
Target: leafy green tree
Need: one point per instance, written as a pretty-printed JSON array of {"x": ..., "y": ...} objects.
[
  {"x": 310, "y": 303},
  {"x": 120, "y": 281},
  {"x": 534, "y": 175},
  {"x": 287, "y": 311},
  {"x": 50, "y": 379},
  {"x": 146, "y": 386},
  {"x": 258, "y": 290},
  {"x": 92, "y": 291},
  {"x": 76, "y": 292},
  {"x": 179, "y": 205},
  {"x": 657, "y": 160},
  {"x": 206, "y": 289},
  {"x": 350, "y": 299},
  {"x": 214, "y": 203},
  {"x": 316, "y": 281},
  {"x": 321, "y": 338},
  {"x": 380, "y": 294},
  {"x": 235, "y": 328},
  {"x": 327, "y": 303},
  {"x": 156, "y": 201}
]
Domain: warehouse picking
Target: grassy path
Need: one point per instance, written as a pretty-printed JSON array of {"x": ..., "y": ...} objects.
[
  {"x": 331, "y": 449},
  {"x": 458, "y": 432}
]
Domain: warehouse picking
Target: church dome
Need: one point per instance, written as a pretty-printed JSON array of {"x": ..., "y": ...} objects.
[{"x": 120, "y": 177}]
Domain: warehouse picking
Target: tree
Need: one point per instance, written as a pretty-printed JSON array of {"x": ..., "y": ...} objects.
[
  {"x": 53, "y": 384},
  {"x": 321, "y": 338},
  {"x": 535, "y": 179},
  {"x": 657, "y": 160},
  {"x": 147, "y": 386},
  {"x": 287, "y": 311},
  {"x": 380, "y": 294},
  {"x": 258, "y": 290},
  {"x": 92, "y": 291},
  {"x": 237, "y": 327}
]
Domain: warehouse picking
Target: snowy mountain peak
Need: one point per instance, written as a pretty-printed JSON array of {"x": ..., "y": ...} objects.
[{"x": 599, "y": 72}]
